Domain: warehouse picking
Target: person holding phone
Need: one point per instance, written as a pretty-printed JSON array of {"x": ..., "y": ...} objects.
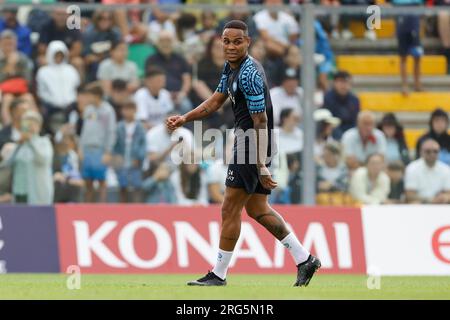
[{"x": 32, "y": 163}]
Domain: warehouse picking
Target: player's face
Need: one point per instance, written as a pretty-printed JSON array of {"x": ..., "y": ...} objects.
[{"x": 235, "y": 44}]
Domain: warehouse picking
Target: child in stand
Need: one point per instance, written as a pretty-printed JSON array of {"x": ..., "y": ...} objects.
[{"x": 129, "y": 153}]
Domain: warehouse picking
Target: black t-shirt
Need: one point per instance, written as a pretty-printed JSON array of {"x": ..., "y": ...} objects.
[
  {"x": 99, "y": 42},
  {"x": 248, "y": 91},
  {"x": 174, "y": 66},
  {"x": 50, "y": 33},
  {"x": 208, "y": 72}
]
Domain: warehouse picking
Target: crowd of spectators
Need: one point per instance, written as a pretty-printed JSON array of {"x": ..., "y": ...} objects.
[{"x": 81, "y": 121}]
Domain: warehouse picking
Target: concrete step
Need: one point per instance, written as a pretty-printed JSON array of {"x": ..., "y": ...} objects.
[
  {"x": 339, "y": 46},
  {"x": 424, "y": 102},
  {"x": 389, "y": 64},
  {"x": 409, "y": 120},
  {"x": 387, "y": 30},
  {"x": 393, "y": 83}
]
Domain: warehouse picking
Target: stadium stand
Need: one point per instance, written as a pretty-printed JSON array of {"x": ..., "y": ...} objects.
[{"x": 372, "y": 64}]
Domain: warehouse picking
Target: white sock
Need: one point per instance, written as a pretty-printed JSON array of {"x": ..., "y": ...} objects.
[
  {"x": 298, "y": 252},
  {"x": 223, "y": 260}
]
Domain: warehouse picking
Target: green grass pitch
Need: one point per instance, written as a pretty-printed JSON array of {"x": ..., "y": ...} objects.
[{"x": 240, "y": 287}]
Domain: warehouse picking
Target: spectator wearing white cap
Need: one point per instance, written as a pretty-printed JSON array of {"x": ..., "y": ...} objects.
[{"x": 325, "y": 124}]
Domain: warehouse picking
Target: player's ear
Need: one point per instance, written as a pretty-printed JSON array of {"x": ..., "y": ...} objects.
[{"x": 249, "y": 41}]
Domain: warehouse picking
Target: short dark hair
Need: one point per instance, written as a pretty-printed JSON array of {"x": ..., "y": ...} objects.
[
  {"x": 154, "y": 71},
  {"x": 285, "y": 113},
  {"x": 119, "y": 85},
  {"x": 396, "y": 166},
  {"x": 95, "y": 89},
  {"x": 129, "y": 104},
  {"x": 342, "y": 74},
  {"x": 333, "y": 148},
  {"x": 237, "y": 24},
  {"x": 81, "y": 89},
  {"x": 115, "y": 44},
  {"x": 439, "y": 113}
]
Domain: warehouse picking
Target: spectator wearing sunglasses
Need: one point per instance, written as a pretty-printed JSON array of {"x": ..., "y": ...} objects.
[{"x": 427, "y": 179}]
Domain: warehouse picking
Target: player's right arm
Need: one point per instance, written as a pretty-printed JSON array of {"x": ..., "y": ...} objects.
[{"x": 210, "y": 105}]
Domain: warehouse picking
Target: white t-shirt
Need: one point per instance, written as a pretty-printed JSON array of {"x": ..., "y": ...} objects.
[
  {"x": 281, "y": 100},
  {"x": 363, "y": 190},
  {"x": 428, "y": 182},
  {"x": 280, "y": 28},
  {"x": 353, "y": 145},
  {"x": 155, "y": 27},
  {"x": 290, "y": 142},
  {"x": 158, "y": 140},
  {"x": 332, "y": 174},
  {"x": 152, "y": 109},
  {"x": 109, "y": 70}
]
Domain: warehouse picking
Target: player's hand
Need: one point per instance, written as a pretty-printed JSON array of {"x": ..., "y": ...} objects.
[
  {"x": 175, "y": 122},
  {"x": 266, "y": 178}
]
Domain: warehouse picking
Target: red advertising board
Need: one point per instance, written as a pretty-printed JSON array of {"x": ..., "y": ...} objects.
[{"x": 173, "y": 239}]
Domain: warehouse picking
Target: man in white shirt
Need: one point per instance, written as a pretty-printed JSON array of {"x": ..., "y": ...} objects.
[
  {"x": 287, "y": 96},
  {"x": 153, "y": 101},
  {"x": 427, "y": 180},
  {"x": 360, "y": 142},
  {"x": 162, "y": 145},
  {"x": 278, "y": 29}
]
